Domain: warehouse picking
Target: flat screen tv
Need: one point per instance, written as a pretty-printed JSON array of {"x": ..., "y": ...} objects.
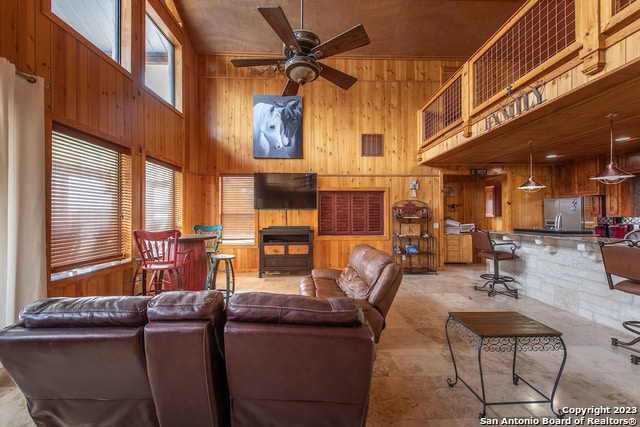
[{"x": 281, "y": 190}]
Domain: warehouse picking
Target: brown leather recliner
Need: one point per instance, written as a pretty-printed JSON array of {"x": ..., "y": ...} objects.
[
  {"x": 372, "y": 277},
  {"x": 185, "y": 358},
  {"x": 81, "y": 361},
  {"x": 297, "y": 361},
  {"x": 121, "y": 361}
]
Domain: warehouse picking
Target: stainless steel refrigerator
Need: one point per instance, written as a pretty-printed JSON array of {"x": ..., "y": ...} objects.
[{"x": 566, "y": 214}]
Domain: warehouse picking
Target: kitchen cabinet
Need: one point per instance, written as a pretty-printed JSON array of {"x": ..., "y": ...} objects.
[
  {"x": 458, "y": 248},
  {"x": 619, "y": 199},
  {"x": 573, "y": 179},
  {"x": 413, "y": 247}
]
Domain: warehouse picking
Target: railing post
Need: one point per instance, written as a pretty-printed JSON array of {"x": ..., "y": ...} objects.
[
  {"x": 588, "y": 32},
  {"x": 467, "y": 101}
]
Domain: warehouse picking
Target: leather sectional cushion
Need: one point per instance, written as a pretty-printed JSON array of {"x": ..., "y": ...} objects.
[
  {"x": 262, "y": 307},
  {"x": 100, "y": 311}
]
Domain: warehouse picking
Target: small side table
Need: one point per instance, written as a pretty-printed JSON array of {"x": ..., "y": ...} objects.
[
  {"x": 505, "y": 331},
  {"x": 227, "y": 259}
]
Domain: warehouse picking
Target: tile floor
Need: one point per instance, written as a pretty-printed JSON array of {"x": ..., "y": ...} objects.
[{"x": 413, "y": 361}]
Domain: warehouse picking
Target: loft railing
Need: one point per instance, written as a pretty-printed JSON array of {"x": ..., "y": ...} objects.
[
  {"x": 544, "y": 31},
  {"x": 541, "y": 36},
  {"x": 446, "y": 109}
]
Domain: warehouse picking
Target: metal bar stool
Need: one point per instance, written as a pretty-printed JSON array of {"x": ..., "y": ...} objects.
[
  {"x": 211, "y": 245},
  {"x": 227, "y": 259},
  {"x": 621, "y": 259},
  {"x": 485, "y": 248}
]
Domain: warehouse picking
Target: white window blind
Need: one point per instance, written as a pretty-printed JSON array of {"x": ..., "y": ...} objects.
[
  {"x": 236, "y": 209},
  {"x": 163, "y": 203},
  {"x": 90, "y": 201}
]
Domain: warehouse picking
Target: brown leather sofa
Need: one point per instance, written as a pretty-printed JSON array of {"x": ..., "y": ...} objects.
[
  {"x": 372, "y": 277},
  {"x": 163, "y": 360},
  {"x": 297, "y": 361}
]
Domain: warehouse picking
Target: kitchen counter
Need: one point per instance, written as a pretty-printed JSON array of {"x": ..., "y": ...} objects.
[
  {"x": 566, "y": 272},
  {"x": 550, "y": 232},
  {"x": 563, "y": 238}
]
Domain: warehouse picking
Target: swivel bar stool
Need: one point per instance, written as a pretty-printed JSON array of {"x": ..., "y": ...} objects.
[
  {"x": 621, "y": 259},
  {"x": 485, "y": 248}
]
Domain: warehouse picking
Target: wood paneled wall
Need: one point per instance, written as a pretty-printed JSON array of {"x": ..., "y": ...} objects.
[
  {"x": 383, "y": 101},
  {"x": 212, "y": 133},
  {"x": 90, "y": 92}
]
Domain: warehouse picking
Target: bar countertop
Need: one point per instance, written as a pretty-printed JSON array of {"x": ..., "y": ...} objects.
[
  {"x": 566, "y": 272},
  {"x": 553, "y": 237}
]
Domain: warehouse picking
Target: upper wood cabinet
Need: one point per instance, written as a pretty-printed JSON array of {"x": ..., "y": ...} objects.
[
  {"x": 572, "y": 179},
  {"x": 619, "y": 200}
]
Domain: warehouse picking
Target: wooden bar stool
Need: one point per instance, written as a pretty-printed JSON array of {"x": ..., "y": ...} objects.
[
  {"x": 227, "y": 259},
  {"x": 139, "y": 275}
]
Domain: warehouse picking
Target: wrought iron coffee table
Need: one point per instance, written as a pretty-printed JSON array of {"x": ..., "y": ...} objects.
[{"x": 504, "y": 331}]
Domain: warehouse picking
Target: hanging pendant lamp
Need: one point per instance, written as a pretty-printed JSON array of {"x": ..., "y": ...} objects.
[
  {"x": 531, "y": 186},
  {"x": 612, "y": 174}
]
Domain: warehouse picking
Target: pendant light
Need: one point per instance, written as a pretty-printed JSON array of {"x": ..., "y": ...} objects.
[
  {"x": 531, "y": 186},
  {"x": 612, "y": 174}
]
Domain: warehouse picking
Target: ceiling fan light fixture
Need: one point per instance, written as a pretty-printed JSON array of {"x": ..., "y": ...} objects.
[
  {"x": 302, "y": 69},
  {"x": 531, "y": 185},
  {"x": 612, "y": 174}
]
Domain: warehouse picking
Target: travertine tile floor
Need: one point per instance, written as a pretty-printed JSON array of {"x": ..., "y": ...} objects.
[{"x": 413, "y": 361}]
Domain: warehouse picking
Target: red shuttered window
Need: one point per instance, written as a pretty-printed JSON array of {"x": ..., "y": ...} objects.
[{"x": 351, "y": 213}]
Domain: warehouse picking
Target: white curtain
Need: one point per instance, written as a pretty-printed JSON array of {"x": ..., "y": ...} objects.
[{"x": 22, "y": 193}]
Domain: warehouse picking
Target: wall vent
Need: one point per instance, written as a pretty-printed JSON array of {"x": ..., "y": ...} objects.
[{"x": 372, "y": 145}]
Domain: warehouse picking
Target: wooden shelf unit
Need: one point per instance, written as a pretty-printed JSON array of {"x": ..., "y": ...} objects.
[{"x": 285, "y": 249}]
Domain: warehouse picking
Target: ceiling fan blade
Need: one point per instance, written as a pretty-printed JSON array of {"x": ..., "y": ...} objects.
[
  {"x": 291, "y": 88},
  {"x": 350, "y": 39},
  {"x": 344, "y": 80},
  {"x": 255, "y": 62},
  {"x": 278, "y": 21}
]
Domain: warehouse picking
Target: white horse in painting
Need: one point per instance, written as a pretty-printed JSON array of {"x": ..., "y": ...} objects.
[{"x": 268, "y": 131}]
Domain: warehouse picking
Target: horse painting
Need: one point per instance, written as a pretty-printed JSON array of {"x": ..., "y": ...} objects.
[
  {"x": 292, "y": 124},
  {"x": 277, "y": 130}
]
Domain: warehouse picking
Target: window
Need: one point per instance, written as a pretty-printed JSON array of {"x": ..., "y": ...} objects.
[
  {"x": 90, "y": 201},
  {"x": 163, "y": 201},
  {"x": 351, "y": 213},
  {"x": 236, "y": 209},
  {"x": 102, "y": 22},
  {"x": 159, "y": 73}
]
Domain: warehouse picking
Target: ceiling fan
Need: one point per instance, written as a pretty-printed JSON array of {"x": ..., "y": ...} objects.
[{"x": 302, "y": 49}]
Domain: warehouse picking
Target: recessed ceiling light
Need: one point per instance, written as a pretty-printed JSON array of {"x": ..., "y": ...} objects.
[
  {"x": 552, "y": 156},
  {"x": 623, "y": 139}
]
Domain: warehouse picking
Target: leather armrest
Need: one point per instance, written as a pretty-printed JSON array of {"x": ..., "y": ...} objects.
[
  {"x": 261, "y": 307},
  {"x": 129, "y": 311},
  {"x": 186, "y": 305},
  {"x": 325, "y": 273}
]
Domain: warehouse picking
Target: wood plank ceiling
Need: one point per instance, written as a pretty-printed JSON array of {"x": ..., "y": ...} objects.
[{"x": 574, "y": 127}]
